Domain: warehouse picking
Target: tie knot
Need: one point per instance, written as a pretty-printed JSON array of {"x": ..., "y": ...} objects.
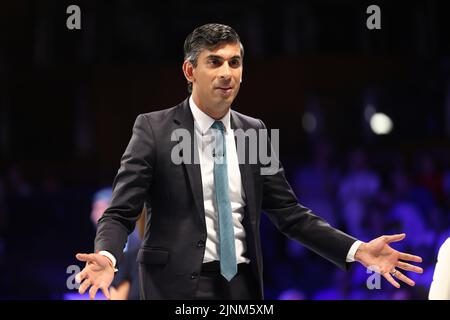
[{"x": 218, "y": 125}]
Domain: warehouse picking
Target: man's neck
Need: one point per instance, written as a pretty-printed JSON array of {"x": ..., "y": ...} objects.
[{"x": 216, "y": 112}]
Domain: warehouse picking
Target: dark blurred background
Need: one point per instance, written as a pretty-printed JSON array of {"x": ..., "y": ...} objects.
[{"x": 364, "y": 119}]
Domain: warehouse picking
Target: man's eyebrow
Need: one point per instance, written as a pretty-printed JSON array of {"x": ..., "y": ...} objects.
[{"x": 213, "y": 56}]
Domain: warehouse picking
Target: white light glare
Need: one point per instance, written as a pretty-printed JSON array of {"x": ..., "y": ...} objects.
[{"x": 380, "y": 123}]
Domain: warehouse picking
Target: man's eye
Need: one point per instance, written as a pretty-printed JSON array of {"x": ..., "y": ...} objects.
[
  {"x": 214, "y": 62},
  {"x": 235, "y": 63}
]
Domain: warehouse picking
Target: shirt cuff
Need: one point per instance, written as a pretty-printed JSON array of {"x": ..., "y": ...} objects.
[
  {"x": 110, "y": 257},
  {"x": 352, "y": 251}
]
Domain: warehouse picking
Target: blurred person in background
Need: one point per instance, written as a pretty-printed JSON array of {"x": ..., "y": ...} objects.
[
  {"x": 356, "y": 191},
  {"x": 407, "y": 213},
  {"x": 428, "y": 176},
  {"x": 125, "y": 285},
  {"x": 317, "y": 183},
  {"x": 426, "y": 182}
]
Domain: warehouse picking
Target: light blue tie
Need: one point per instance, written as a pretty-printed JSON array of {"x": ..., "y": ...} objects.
[{"x": 228, "y": 266}]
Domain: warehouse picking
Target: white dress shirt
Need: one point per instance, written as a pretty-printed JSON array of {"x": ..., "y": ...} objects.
[{"x": 204, "y": 136}]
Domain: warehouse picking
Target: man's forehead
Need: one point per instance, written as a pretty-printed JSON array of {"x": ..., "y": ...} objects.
[{"x": 225, "y": 51}]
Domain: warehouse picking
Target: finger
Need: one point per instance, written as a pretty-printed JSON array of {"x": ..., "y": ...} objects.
[
  {"x": 80, "y": 276},
  {"x": 83, "y": 287},
  {"x": 106, "y": 293},
  {"x": 394, "y": 238},
  {"x": 391, "y": 280},
  {"x": 400, "y": 276},
  {"x": 409, "y": 267},
  {"x": 92, "y": 292},
  {"x": 409, "y": 257},
  {"x": 85, "y": 257}
]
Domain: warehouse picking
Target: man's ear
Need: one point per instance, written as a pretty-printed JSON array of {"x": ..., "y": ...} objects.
[{"x": 188, "y": 70}]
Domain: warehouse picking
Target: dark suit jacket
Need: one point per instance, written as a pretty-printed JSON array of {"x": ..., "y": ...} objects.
[{"x": 173, "y": 248}]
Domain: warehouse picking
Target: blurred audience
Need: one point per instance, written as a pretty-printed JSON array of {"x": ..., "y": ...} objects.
[
  {"x": 383, "y": 196},
  {"x": 357, "y": 190},
  {"x": 369, "y": 200}
]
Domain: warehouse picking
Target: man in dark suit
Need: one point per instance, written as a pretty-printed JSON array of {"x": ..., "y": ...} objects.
[{"x": 202, "y": 237}]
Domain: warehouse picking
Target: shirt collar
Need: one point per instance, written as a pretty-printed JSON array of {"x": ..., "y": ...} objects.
[{"x": 202, "y": 121}]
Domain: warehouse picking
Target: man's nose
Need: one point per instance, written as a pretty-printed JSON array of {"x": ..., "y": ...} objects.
[{"x": 225, "y": 72}]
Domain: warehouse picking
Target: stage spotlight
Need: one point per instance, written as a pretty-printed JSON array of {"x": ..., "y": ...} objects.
[{"x": 380, "y": 123}]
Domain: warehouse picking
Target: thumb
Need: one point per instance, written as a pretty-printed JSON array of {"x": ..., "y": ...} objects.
[
  {"x": 84, "y": 257},
  {"x": 395, "y": 237}
]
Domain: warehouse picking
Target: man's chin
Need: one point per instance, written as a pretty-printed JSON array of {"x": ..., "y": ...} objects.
[{"x": 226, "y": 101}]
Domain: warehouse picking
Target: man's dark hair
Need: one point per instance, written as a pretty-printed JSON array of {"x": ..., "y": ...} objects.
[{"x": 208, "y": 36}]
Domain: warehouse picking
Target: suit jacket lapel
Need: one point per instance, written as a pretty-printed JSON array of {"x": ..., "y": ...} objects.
[
  {"x": 184, "y": 119},
  {"x": 244, "y": 166}
]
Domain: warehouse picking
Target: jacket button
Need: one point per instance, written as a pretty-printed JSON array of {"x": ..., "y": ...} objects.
[
  {"x": 194, "y": 275},
  {"x": 201, "y": 243}
]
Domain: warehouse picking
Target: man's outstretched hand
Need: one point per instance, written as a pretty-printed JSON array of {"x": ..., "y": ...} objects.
[
  {"x": 380, "y": 257},
  {"x": 97, "y": 274}
]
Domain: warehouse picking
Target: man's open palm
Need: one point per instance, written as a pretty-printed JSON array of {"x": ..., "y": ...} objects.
[
  {"x": 97, "y": 274},
  {"x": 382, "y": 258}
]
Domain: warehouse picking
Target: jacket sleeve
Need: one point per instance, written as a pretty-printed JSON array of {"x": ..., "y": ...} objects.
[
  {"x": 298, "y": 222},
  {"x": 130, "y": 188}
]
